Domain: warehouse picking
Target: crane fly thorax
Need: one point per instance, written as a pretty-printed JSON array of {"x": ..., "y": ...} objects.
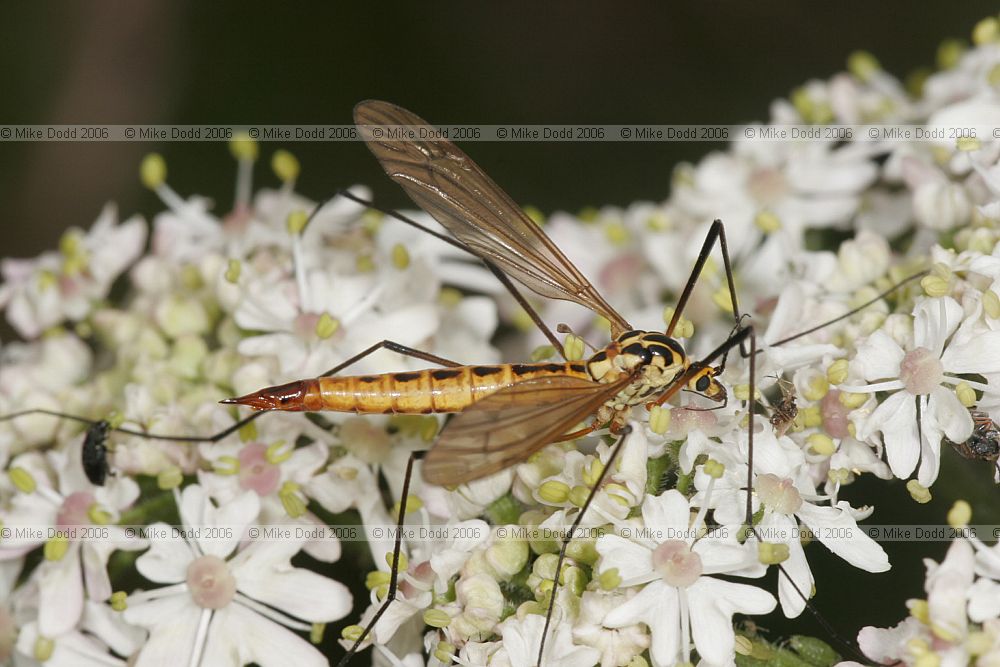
[{"x": 656, "y": 357}]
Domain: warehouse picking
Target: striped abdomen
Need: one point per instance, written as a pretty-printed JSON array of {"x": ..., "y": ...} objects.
[{"x": 419, "y": 392}]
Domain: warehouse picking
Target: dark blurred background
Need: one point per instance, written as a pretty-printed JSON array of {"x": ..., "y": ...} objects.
[{"x": 241, "y": 62}]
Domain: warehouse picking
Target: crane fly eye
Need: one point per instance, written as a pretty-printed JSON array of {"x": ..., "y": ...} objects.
[{"x": 703, "y": 383}]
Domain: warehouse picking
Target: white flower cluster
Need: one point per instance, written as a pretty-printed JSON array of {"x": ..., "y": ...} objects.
[
  {"x": 156, "y": 334},
  {"x": 959, "y": 621}
]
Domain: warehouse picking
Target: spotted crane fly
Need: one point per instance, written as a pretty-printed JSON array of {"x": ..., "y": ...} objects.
[{"x": 505, "y": 412}]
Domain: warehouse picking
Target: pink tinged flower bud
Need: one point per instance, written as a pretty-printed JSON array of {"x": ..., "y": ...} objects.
[
  {"x": 75, "y": 510},
  {"x": 211, "y": 584},
  {"x": 778, "y": 494},
  {"x": 256, "y": 472},
  {"x": 676, "y": 563},
  {"x": 834, "y": 415},
  {"x": 920, "y": 371}
]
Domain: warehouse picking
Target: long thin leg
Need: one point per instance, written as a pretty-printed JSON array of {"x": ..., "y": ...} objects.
[
  {"x": 782, "y": 572},
  {"x": 385, "y": 344},
  {"x": 500, "y": 275},
  {"x": 569, "y": 536},
  {"x": 716, "y": 232},
  {"x": 394, "y": 570}
]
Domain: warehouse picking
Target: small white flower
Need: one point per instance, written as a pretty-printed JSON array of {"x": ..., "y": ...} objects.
[
  {"x": 44, "y": 292},
  {"x": 221, "y": 606},
  {"x": 678, "y": 598},
  {"x": 919, "y": 376}
]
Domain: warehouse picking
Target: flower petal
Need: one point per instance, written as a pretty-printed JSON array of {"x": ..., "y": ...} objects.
[
  {"x": 712, "y": 603},
  {"x": 266, "y": 575},
  {"x": 852, "y": 543}
]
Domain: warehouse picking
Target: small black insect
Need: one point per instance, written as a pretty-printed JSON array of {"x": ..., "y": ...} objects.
[
  {"x": 95, "y": 453},
  {"x": 784, "y": 412},
  {"x": 984, "y": 443}
]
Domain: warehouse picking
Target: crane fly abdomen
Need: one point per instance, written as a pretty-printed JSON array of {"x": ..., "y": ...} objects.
[{"x": 417, "y": 392}]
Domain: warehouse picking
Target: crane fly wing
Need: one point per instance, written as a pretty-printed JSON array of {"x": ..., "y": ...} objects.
[
  {"x": 446, "y": 183},
  {"x": 507, "y": 427}
]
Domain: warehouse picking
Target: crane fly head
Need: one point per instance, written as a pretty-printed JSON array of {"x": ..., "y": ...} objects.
[{"x": 704, "y": 382}]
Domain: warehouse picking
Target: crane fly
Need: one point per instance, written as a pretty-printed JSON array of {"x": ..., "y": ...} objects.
[{"x": 505, "y": 412}]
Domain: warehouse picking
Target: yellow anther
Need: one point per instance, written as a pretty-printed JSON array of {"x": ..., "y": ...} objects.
[
  {"x": 684, "y": 327},
  {"x": 993, "y": 76},
  {"x": 543, "y": 352},
  {"x": 863, "y": 65},
  {"x": 852, "y": 430},
  {"x": 449, "y": 297},
  {"x": 578, "y": 495},
  {"x": 243, "y": 147},
  {"x": 986, "y": 31},
  {"x": 316, "y": 633},
  {"x": 991, "y": 303},
  {"x": 279, "y": 452},
  {"x": 22, "y": 480},
  {"x": 43, "y": 648},
  {"x": 742, "y": 392},
  {"x": 400, "y": 256},
  {"x": 837, "y": 372},
  {"x": 617, "y": 234},
  {"x": 285, "y": 165},
  {"x": 978, "y": 643},
  {"x": 610, "y": 579},
  {"x": 404, "y": 562},
  {"x": 413, "y": 504},
  {"x": 723, "y": 299},
  {"x": 928, "y": 660},
  {"x": 851, "y": 400},
  {"x": 377, "y": 578},
  {"x": 659, "y": 419},
  {"x": 296, "y": 222},
  {"x": 658, "y": 222},
  {"x": 554, "y": 492},
  {"x": 968, "y": 144},
  {"x": 767, "y": 222},
  {"x": 522, "y": 320},
  {"x": 960, "y": 514},
  {"x": 816, "y": 388},
  {"x": 592, "y": 472},
  {"x": 153, "y": 171},
  {"x": 436, "y": 618},
  {"x": 821, "y": 444},
  {"x": 248, "y": 432},
  {"x": 838, "y": 475},
  {"x": 56, "y": 547},
  {"x": 98, "y": 516},
  {"x": 115, "y": 419},
  {"x": 618, "y": 493},
  {"x": 233, "y": 270},
  {"x": 950, "y": 52},
  {"x": 743, "y": 645},
  {"x": 916, "y": 79},
  {"x": 966, "y": 394},
  {"x": 364, "y": 264},
  {"x": 637, "y": 661},
  {"x": 326, "y": 326},
  {"x": 290, "y": 499},
  {"x": 810, "y": 416},
  {"x": 917, "y": 646},
  {"x": 170, "y": 478},
  {"x": 226, "y": 465},
  {"x": 352, "y": 633},
  {"x": 588, "y": 214},
  {"x": 918, "y": 491},
  {"x": 771, "y": 553},
  {"x": 535, "y": 214},
  {"x": 573, "y": 347},
  {"x": 714, "y": 469},
  {"x": 444, "y": 652},
  {"x": 429, "y": 428},
  {"x": 119, "y": 601}
]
